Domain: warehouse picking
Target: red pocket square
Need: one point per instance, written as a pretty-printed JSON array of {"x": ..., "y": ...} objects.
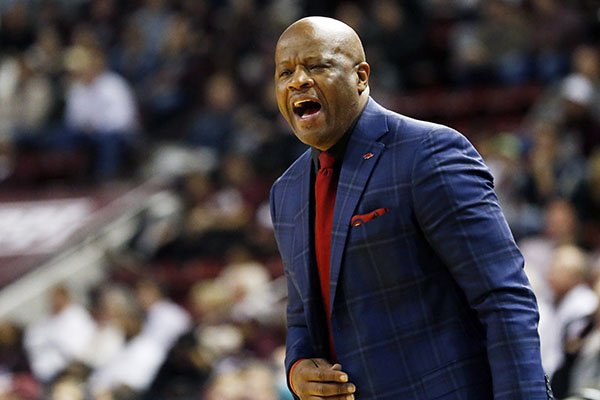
[{"x": 364, "y": 218}]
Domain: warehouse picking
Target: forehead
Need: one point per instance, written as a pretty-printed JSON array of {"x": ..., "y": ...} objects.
[{"x": 307, "y": 43}]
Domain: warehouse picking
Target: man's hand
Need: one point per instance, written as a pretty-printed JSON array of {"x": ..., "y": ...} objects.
[{"x": 316, "y": 378}]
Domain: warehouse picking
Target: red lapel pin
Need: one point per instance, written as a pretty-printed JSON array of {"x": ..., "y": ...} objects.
[{"x": 367, "y": 156}]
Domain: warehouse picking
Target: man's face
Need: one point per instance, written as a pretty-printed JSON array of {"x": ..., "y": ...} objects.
[{"x": 318, "y": 85}]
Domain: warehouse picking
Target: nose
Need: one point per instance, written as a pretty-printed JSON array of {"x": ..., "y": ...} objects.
[{"x": 300, "y": 80}]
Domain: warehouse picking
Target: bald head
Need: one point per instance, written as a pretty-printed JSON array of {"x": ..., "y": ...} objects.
[
  {"x": 321, "y": 79},
  {"x": 331, "y": 31}
]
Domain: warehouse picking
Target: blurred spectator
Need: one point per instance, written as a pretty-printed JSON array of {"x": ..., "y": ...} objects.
[
  {"x": 248, "y": 283},
  {"x": 151, "y": 19},
  {"x": 252, "y": 380},
  {"x": 16, "y": 381},
  {"x": 104, "y": 17},
  {"x": 551, "y": 343},
  {"x": 399, "y": 29},
  {"x": 255, "y": 307},
  {"x": 560, "y": 229},
  {"x": 130, "y": 58},
  {"x": 212, "y": 338},
  {"x": 259, "y": 237},
  {"x": 164, "y": 92},
  {"x": 117, "y": 321},
  {"x": 226, "y": 386},
  {"x": 158, "y": 226},
  {"x": 578, "y": 121},
  {"x": 352, "y": 15},
  {"x": 136, "y": 366},
  {"x": 165, "y": 321},
  {"x": 503, "y": 155},
  {"x": 16, "y": 29},
  {"x": 558, "y": 28},
  {"x": 46, "y": 52},
  {"x": 555, "y": 166},
  {"x": 586, "y": 200},
  {"x": 215, "y": 213},
  {"x": 572, "y": 103},
  {"x": 100, "y": 111},
  {"x": 61, "y": 338},
  {"x": 451, "y": 8},
  {"x": 220, "y": 218},
  {"x": 278, "y": 363},
  {"x": 216, "y": 336},
  {"x": 494, "y": 48},
  {"x": 586, "y": 62},
  {"x": 19, "y": 387},
  {"x": 26, "y": 100},
  {"x": 585, "y": 372},
  {"x": 574, "y": 301},
  {"x": 237, "y": 174},
  {"x": 213, "y": 124},
  {"x": 165, "y": 232},
  {"x": 259, "y": 381},
  {"x": 68, "y": 388},
  {"x": 25, "y": 96}
]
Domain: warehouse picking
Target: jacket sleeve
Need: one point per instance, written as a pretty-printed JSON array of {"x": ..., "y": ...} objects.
[
  {"x": 298, "y": 344},
  {"x": 458, "y": 211}
]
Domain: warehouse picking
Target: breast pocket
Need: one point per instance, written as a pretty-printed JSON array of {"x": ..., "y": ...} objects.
[
  {"x": 389, "y": 225},
  {"x": 382, "y": 252}
]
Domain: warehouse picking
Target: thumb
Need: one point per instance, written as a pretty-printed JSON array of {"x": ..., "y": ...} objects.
[{"x": 336, "y": 367}]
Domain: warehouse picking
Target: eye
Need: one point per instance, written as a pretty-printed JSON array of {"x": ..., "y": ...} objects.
[
  {"x": 317, "y": 67},
  {"x": 284, "y": 73}
]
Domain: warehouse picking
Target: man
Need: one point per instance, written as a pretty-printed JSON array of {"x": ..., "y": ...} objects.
[
  {"x": 61, "y": 338},
  {"x": 404, "y": 281},
  {"x": 137, "y": 364},
  {"x": 100, "y": 111}
]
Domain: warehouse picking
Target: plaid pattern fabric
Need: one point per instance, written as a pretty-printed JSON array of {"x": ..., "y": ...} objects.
[{"x": 428, "y": 300}]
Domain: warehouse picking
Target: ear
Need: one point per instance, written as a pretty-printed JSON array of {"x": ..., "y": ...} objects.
[{"x": 362, "y": 72}]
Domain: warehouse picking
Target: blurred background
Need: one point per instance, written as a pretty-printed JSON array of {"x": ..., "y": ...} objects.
[{"x": 139, "y": 140}]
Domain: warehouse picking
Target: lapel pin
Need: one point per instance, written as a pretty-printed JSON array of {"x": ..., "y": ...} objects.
[{"x": 367, "y": 156}]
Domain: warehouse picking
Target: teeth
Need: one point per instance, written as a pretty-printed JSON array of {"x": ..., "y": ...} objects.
[{"x": 299, "y": 102}]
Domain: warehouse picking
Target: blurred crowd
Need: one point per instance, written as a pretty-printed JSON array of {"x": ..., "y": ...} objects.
[{"x": 101, "y": 91}]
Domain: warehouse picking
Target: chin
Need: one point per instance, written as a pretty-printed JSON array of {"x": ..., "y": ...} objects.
[
  {"x": 318, "y": 144},
  {"x": 306, "y": 139}
]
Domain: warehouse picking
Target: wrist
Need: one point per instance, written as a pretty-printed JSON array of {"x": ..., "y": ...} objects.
[{"x": 290, "y": 375}]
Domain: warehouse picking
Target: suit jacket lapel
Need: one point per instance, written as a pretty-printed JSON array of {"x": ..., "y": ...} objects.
[
  {"x": 361, "y": 155},
  {"x": 302, "y": 230},
  {"x": 305, "y": 270}
]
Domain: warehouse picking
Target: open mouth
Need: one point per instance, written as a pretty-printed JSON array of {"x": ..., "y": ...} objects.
[{"x": 306, "y": 108}]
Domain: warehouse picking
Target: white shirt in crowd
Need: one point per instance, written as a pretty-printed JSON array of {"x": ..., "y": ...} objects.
[
  {"x": 140, "y": 360},
  {"x": 57, "y": 340},
  {"x": 107, "y": 104},
  {"x": 568, "y": 321}
]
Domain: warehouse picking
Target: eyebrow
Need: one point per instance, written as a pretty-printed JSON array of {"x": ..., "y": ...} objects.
[{"x": 320, "y": 59}]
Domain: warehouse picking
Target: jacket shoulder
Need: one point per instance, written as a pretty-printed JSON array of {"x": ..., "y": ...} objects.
[
  {"x": 294, "y": 171},
  {"x": 402, "y": 127},
  {"x": 289, "y": 178}
]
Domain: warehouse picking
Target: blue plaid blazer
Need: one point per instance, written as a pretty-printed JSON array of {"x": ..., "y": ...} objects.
[{"x": 429, "y": 300}]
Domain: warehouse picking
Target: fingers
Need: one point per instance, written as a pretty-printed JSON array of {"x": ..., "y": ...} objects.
[
  {"x": 336, "y": 367},
  {"x": 323, "y": 373},
  {"x": 328, "y": 390},
  {"x": 316, "y": 379}
]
